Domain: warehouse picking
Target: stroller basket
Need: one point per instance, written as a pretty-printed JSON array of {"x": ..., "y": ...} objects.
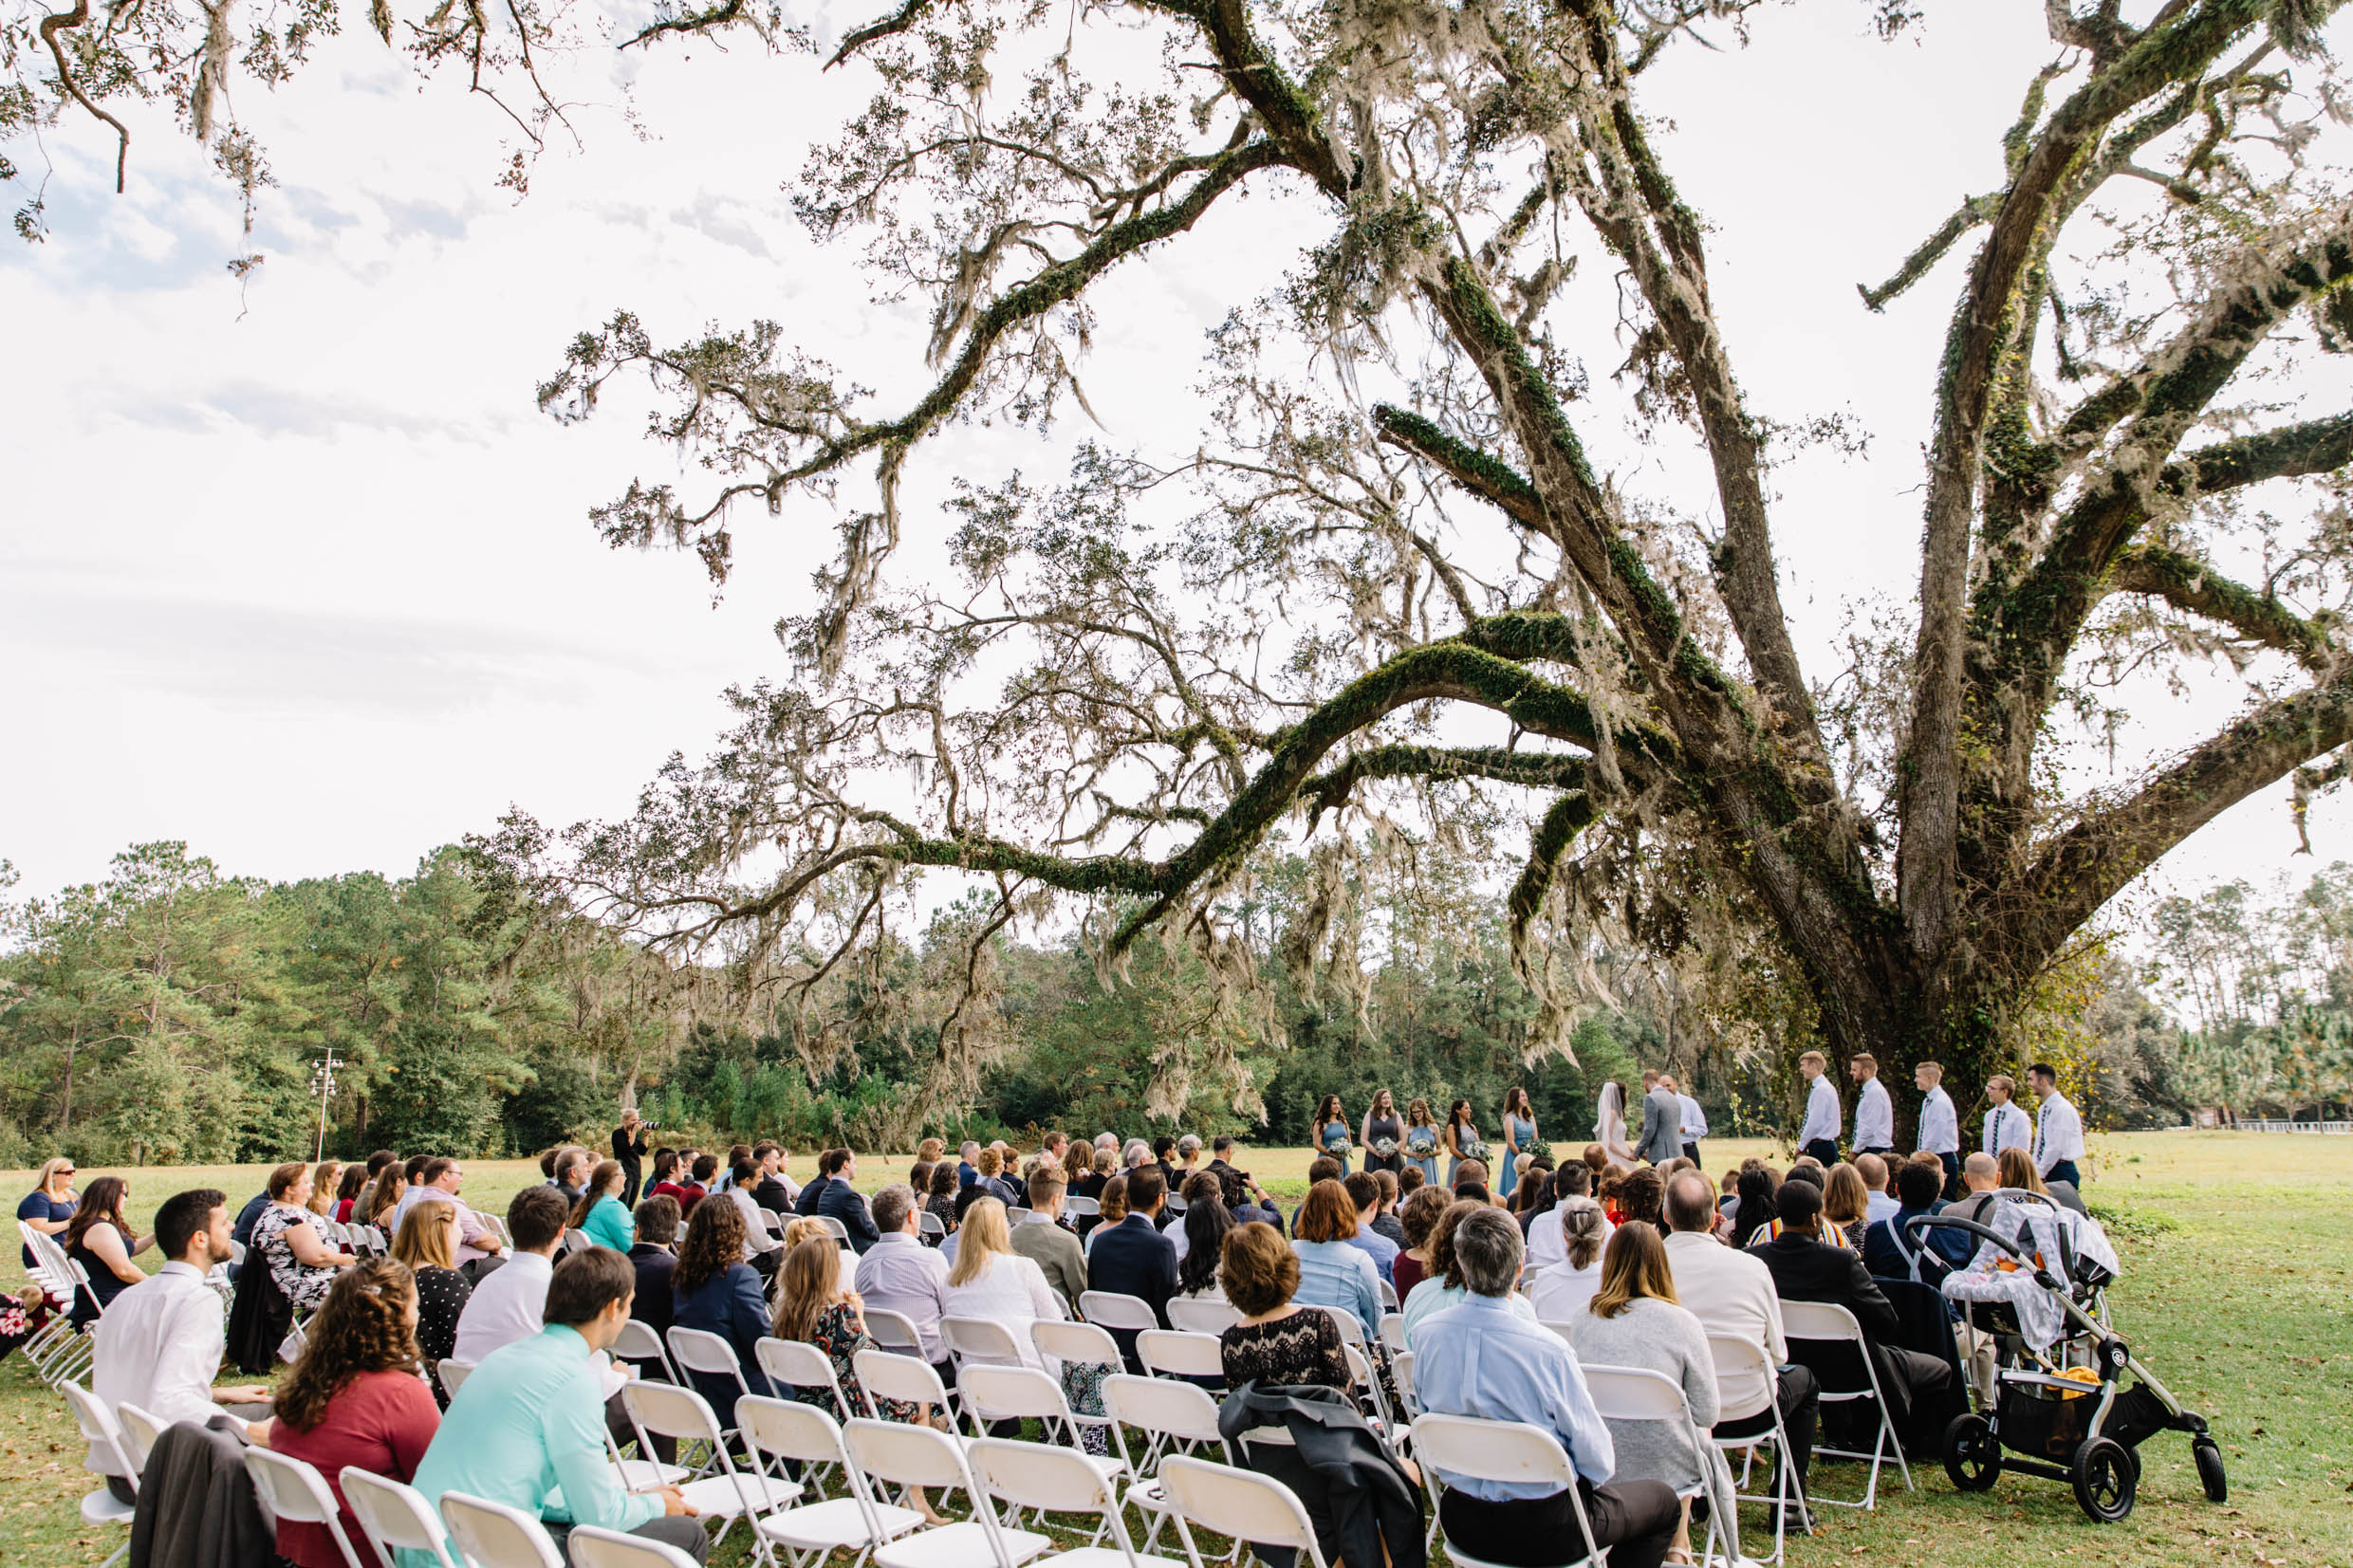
[{"x": 2046, "y": 1421}]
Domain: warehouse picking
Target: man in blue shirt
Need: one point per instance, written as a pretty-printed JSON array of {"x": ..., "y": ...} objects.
[
  {"x": 528, "y": 1427},
  {"x": 1481, "y": 1359},
  {"x": 1364, "y": 1192}
]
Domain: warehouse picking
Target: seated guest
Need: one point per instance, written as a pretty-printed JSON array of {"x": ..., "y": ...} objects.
[
  {"x": 701, "y": 1171},
  {"x": 347, "y": 1193},
  {"x": 776, "y": 1190},
  {"x": 651, "y": 1258},
  {"x": 965, "y": 1198},
  {"x": 990, "y": 1280},
  {"x": 1634, "y": 1321},
  {"x": 940, "y": 1200},
  {"x": 968, "y": 1163},
  {"x": 1276, "y": 1343},
  {"x": 667, "y": 1179},
  {"x": 1332, "y": 1272},
  {"x": 762, "y": 1250},
  {"x": 2015, "y": 1165},
  {"x": 1921, "y": 1390},
  {"x": 1731, "y": 1294},
  {"x": 1132, "y": 1258},
  {"x": 1470, "y": 1174},
  {"x": 1201, "y": 1241},
  {"x": 1385, "y": 1216},
  {"x": 1810, "y": 1174},
  {"x": 900, "y": 1274},
  {"x": 1444, "y": 1286},
  {"x": 1887, "y": 1251},
  {"x": 1481, "y": 1359},
  {"x": 1202, "y": 1186},
  {"x": 528, "y": 1428},
  {"x": 507, "y": 1303},
  {"x": 50, "y": 1203},
  {"x": 1040, "y": 1237},
  {"x": 598, "y": 1213},
  {"x": 1110, "y": 1209},
  {"x": 242, "y": 1233},
  {"x": 1641, "y": 1195},
  {"x": 715, "y": 1290},
  {"x": 569, "y": 1171},
  {"x": 356, "y": 1396},
  {"x": 102, "y": 1241},
  {"x": 442, "y": 1180},
  {"x": 160, "y": 1343},
  {"x": 380, "y": 1199},
  {"x": 427, "y": 1244},
  {"x": 1980, "y": 1181},
  {"x": 1560, "y": 1291},
  {"x": 1846, "y": 1205},
  {"x": 815, "y": 1306},
  {"x": 1545, "y": 1246},
  {"x": 990, "y": 1175},
  {"x": 839, "y": 1200},
  {"x": 301, "y": 1261},
  {"x": 1419, "y": 1217},
  {"x": 1364, "y": 1192},
  {"x": 1752, "y": 1213},
  {"x": 1531, "y": 1197},
  {"x": 1877, "y": 1178}
]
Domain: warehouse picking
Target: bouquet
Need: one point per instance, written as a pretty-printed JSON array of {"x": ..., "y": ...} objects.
[
  {"x": 1472, "y": 1149},
  {"x": 1525, "y": 1142},
  {"x": 1422, "y": 1141},
  {"x": 1384, "y": 1147}
]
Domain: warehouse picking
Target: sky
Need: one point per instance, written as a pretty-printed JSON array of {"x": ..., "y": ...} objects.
[{"x": 297, "y": 573}]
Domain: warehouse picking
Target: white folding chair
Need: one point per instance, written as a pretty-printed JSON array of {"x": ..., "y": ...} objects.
[
  {"x": 1389, "y": 1302},
  {"x": 452, "y": 1373},
  {"x": 841, "y": 1232},
  {"x": 1112, "y": 1310},
  {"x": 906, "y": 1456},
  {"x": 1238, "y": 1504},
  {"x": 292, "y": 1489},
  {"x": 1402, "y": 1368},
  {"x": 1500, "y": 1451},
  {"x": 1827, "y": 1323},
  {"x": 699, "y": 1351},
  {"x": 1637, "y": 1395},
  {"x": 979, "y": 1341},
  {"x": 103, "y": 1432},
  {"x": 801, "y": 1365},
  {"x": 395, "y": 1516},
  {"x": 930, "y": 1226},
  {"x": 1177, "y": 1417},
  {"x": 1172, "y": 1353},
  {"x": 638, "y": 1341},
  {"x": 995, "y": 1393},
  {"x": 1737, "y": 1359},
  {"x": 729, "y": 1495},
  {"x": 587, "y": 1546},
  {"x": 1557, "y": 1326},
  {"x": 1074, "y": 1206},
  {"x": 785, "y": 1430},
  {"x": 1202, "y": 1314},
  {"x": 1086, "y": 1344},
  {"x": 492, "y": 1535},
  {"x": 1393, "y": 1332},
  {"x": 140, "y": 1432},
  {"x": 894, "y": 1330},
  {"x": 1050, "y": 1480},
  {"x": 886, "y": 1375}
]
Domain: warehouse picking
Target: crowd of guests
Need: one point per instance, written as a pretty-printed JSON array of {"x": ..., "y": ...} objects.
[{"x": 1627, "y": 1256}]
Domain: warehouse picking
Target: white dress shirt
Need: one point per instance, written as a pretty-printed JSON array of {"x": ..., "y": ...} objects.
[
  {"x": 1731, "y": 1294},
  {"x": 1940, "y": 1125},
  {"x": 757, "y": 1237},
  {"x": 1875, "y": 1116},
  {"x": 900, "y": 1274},
  {"x": 2058, "y": 1133},
  {"x": 1011, "y": 1290},
  {"x": 2007, "y": 1127},
  {"x": 1695, "y": 1121},
  {"x": 159, "y": 1347},
  {"x": 470, "y": 1228},
  {"x": 1878, "y": 1207},
  {"x": 1823, "y": 1117},
  {"x": 1560, "y": 1294},
  {"x": 1548, "y": 1246},
  {"x": 506, "y": 1306}
]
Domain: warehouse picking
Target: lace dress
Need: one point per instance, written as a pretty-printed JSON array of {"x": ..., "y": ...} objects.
[{"x": 1303, "y": 1348}]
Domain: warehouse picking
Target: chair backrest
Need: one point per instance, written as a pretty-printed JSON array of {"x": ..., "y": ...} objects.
[
  {"x": 1393, "y": 1331},
  {"x": 980, "y": 1341},
  {"x": 1402, "y": 1368},
  {"x": 801, "y": 1365},
  {"x": 1351, "y": 1330},
  {"x": 670, "y": 1410},
  {"x": 787, "y": 1429},
  {"x": 841, "y": 1232},
  {"x": 1389, "y": 1302},
  {"x": 1040, "y": 1475},
  {"x": 894, "y": 1330},
  {"x": 1493, "y": 1451},
  {"x": 1176, "y": 1205},
  {"x": 699, "y": 1350},
  {"x": 293, "y": 1491},
  {"x": 1010, "y": 1393},
  {"x": 1075, "y": 1204},
  {"x": 140, "y": 1432},
  {"x": 1161, "y": 1405},
  {"x": 772, "y": 1221},
  {"x": 1823, "y": 1320},
  {"x": 1635, "y": 1394},
  {"x": 1202, "y": 1314},
  {"x": 99, "y": 1425},
  {"x": 638, "y": 1341},
  {"x": 589, "y": 1547},
  {"x": 907, "y": 1456},
  {"x": 1170, "y": 1353},
  {"x": 1239, "y": 1504},
  {"x": 392, "y": 1516},
  {"x": 1111, "y": 1309},
  {"x": 1084, "y": 1343},
  {"x": 1559, "y": 1327},
  {"x": 452, "y": 1373},
  {"x": 1735, "y": 1356},
  {"x": 930, "y": 1223},
  {"x": 886, "y": 1375},
  {"x": 492, "y": 1535}
]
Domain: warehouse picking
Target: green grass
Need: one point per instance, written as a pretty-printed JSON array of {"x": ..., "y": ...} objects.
[{"x": 2238, "y": 1291}]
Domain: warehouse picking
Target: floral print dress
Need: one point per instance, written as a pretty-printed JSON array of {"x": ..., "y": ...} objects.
[
  {"x": 841, "y": 1337},
  {"x": 303, "y": 1286}
]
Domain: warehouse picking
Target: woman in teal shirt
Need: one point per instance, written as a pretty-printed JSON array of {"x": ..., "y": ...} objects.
[{"x": 600, "y": 1215}]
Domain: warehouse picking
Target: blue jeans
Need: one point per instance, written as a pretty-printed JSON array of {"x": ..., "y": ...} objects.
[{"x": 2064, "y": 1171}]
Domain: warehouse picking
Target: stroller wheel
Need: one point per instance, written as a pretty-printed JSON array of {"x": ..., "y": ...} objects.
[
  {"x": 2209, "y": 1457},
  {"x": 2105, "y": 1479},
  {"x": 1973, "y": 1455}
]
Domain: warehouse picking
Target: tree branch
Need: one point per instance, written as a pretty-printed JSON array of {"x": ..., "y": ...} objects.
[{"x": 2193, "y": 586}]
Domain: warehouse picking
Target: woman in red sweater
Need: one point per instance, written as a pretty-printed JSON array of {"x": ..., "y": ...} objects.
[{"x": 357, "y": 1397}]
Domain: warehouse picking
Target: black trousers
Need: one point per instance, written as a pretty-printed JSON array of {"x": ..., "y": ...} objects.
[
  {"x": 1799, "y": 1396},
  {"x": 1635, "y": 1519},
  {"x": 1691, "y": 1153},
  {"x": 1952, "y": 1175},
  {"x": 629, "y": 1177},
  {"x": 2064, "y": 1171},
  {"x": 1824, "y": 1150}
]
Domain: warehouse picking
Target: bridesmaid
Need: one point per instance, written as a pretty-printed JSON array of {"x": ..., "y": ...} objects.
[
  {"x": 1421, "y": 1140},
  {"x": 1381, "y": 1124},
  {"x": 1461, "y": 1139},
  {"x": 1331, "y": 1131},
  {"x": 1519, "y": 1133}
]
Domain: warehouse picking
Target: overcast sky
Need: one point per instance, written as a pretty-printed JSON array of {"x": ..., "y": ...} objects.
[{"x": 302, "y": 578}]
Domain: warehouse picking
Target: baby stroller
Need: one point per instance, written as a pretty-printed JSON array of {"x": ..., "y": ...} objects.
[{"x": 2037, "y": 1285}]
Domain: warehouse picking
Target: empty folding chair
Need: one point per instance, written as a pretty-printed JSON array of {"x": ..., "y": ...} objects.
[
  {"x": 492, "y": 1535},
  {"x": 1239, "y": 1504},
  {"x": 1640, "y": 1394},
  {"x": 292, "y": 1491},
  {"x": 841, "y": 1232},
  {"x": 1075, "y": 1206},
  {"x": 801, "y": 1365},
  {"x": 587, "y": 1546},
  {"x": 1202, "y": 1314},
  {"x": 1827, "y": 1323},
  {"x": 395, "y": 1516},
  {"x": 930, "y": 1228},
  {"x": 637, "y": 1342},
  {"x": 103, "y": 1432},
  {"x": 785, "y": 1430},
  {"x": 993, "y": 1394},
  {"x": 140, "y": 1432},
  {"x": 1111, "y": 1310},
  {"x": 728, "y": 1494},
  {"x": 919, "y": 1456},
  {"x": 1402, "y": 1368},
  {"x": 1736, "y": 1359},
  {"x": 1175, "y": 1417},
  {"x": 452, "y": 1373},
  {"x": 1393, "y": 1332},
  {"x": 1500, "y": 1451},
  {"x": 1169, "y": 1353},
  {"x": 1389, "y": 1302},
  {"x": 1050, "y": 1480}
]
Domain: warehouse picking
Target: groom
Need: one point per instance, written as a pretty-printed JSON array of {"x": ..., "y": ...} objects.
[{"x": 1662, "y": 1122}]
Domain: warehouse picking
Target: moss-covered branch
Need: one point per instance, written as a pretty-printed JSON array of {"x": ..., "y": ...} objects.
[
  {"x": 1491, "y": 479},
  {"x": 2193, "y": 586},
  {"x": 1330, "y": 789}
]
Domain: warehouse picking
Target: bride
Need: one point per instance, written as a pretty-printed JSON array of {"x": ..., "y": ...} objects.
[{"x": 1609, "y": 1127}]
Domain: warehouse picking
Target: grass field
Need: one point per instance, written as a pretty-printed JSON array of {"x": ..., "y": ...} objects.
[{"x": 2237, "y": 1290}]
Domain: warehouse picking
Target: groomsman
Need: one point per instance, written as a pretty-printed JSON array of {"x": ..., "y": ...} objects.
[
  {"x": 1941, "y": 1125},
  {"x": 1819, "y": 1136},
  {"x": 1875, "y": 1108},
  {"x": 2058, "y": 1129},
  {"x": 2005, "y": 1125}
]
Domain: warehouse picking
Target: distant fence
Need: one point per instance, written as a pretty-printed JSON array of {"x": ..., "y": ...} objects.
[{"x": 2250, "y": 1125}]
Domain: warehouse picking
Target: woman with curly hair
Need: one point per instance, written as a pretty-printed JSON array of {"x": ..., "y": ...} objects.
[
  {"x": 355, "y": 1398},
  {"x": 715, "y": 1290}
]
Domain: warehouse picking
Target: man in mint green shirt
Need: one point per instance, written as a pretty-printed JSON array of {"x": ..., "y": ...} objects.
[{"x": 528, "y": 1427}]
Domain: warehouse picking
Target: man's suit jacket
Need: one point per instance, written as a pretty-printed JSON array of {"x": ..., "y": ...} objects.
[
  {"x": 1133, "y": 1259},
  {"x": 1058, "y": 1256},
  {"x": 1805, "y": 1269},
  {"x": 771, "y": 1195},
  {"x": 1662, "y": 1126},
  {"x": 841, "y": 1201}
]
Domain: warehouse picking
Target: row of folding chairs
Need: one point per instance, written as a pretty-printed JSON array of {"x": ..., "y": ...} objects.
[{"x": 59, "y": 1352}]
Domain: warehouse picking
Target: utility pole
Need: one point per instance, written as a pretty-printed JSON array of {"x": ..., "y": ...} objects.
[{"x": 322, "y": 1084}]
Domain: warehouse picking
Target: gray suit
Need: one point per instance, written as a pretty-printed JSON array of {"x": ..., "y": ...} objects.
[{"x": 1663, "y": 1128}]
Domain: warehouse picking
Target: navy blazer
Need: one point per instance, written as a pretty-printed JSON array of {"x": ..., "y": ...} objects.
[
  {"x": 1133, "y": 1259},
  {"x": 731, "y": 1305},
  {"x": 841, "y": 1201}
]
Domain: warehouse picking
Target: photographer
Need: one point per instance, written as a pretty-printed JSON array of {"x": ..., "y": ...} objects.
[{"x": 629, "y": 1147}]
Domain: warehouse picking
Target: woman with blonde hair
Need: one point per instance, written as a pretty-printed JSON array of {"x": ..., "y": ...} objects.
[
  {"x": 991, "y": 1281},
  {"x": 2014, "y": 1169},
  {"x": 427, "y": 1244},
  {"x": 1846, "y": 1204},
  {"x": 1114, "y": 1201},
  {"x": 50, "y": 1203},
  {"x": 322, "y": 1188}
]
